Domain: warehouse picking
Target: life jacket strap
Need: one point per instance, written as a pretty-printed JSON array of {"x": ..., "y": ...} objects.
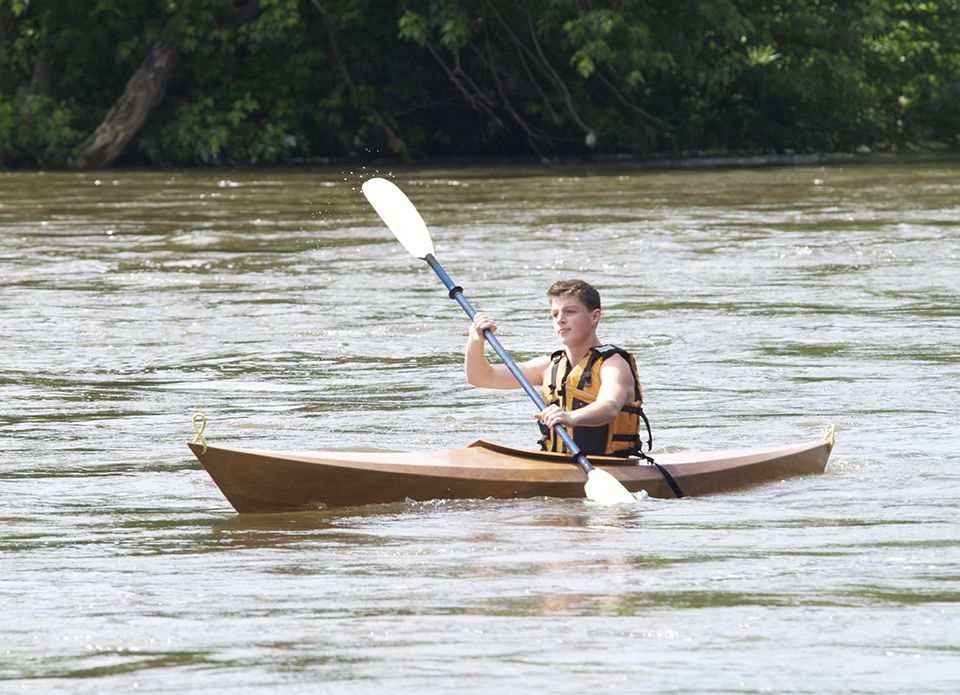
[
  {"x": 669, "y": 478},
  {"x": 671, "y": 482},
  {"x": 646, "y": 422}
]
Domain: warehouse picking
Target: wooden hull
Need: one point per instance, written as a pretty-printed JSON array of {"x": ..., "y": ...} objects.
[{"x": 266, "y": 482}]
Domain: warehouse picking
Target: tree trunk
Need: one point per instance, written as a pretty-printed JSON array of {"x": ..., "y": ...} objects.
[
  {"x": 144, "y": 92},
  {"x": 126, "y": 117},
  {"x": 41, "y": 84},
  {"x": 8, "y": 80}
]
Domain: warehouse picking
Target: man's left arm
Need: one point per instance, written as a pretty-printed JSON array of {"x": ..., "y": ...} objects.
[{"x": 616, "y": 381}]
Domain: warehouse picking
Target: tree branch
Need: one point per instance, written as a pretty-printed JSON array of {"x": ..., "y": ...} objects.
[
  {"x": 541, "y": 61},
  {"x": 554, "y": 116},
  {"x": 396, "y": 145},
  {"x": 531, "y": 135},
  {"x": 653, "y": 120},
  {"x": 558, "y": 82},
  {"x": 478, "y": 101}
]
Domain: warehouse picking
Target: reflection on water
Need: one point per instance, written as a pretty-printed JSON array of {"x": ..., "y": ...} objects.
[{"x": 762, "y": 305}]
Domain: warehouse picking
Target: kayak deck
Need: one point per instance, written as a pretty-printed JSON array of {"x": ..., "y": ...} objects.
[{"x": 271, "y": 481}]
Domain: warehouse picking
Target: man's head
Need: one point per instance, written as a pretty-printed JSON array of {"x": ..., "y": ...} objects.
[
  {"x": 583, "y": 291},
  {"x": 575, "y": 308}
]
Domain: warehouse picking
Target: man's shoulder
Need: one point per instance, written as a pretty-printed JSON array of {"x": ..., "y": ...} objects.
[
  {"x": 616, "y": 359},
  {"x": 614, "y": 354},
  {"x": 539, "y": 361},
  {"x": 619, "y": 362},
  {"x": 609, "y": 349}
]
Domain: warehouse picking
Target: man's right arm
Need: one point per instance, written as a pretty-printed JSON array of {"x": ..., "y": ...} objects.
[{"x": 481, "y": 373}]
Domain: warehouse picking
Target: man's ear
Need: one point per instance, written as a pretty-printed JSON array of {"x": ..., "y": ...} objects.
[{"x": 595, "y": 318}]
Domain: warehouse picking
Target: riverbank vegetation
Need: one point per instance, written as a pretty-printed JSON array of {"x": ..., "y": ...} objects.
[{"x": 94, "y": 83}]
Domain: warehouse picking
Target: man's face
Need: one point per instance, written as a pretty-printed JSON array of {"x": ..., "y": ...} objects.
[{"x": 572, "y": 321}]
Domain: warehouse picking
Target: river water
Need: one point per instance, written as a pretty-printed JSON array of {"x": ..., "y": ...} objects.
[{"x": 763, "y": 304}]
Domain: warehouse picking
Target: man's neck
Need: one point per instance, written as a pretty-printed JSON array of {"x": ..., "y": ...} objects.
[{"x": 575, "y": 353}]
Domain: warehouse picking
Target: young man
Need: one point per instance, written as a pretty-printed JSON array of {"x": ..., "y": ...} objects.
[{"x": 590, "y": 388}]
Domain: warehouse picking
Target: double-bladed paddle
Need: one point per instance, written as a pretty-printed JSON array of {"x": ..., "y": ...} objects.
[{"x": 400, "y": 215}]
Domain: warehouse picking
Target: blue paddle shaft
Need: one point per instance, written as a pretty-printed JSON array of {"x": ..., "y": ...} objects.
[{"x": 456, "y": 293}]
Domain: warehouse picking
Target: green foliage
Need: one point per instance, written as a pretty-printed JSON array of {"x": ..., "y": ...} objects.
[
  {"x": 449, "y": 20},
  {"x": 414, "y": 27},
  {"x": 203, "y": 132},
  {"x": 35, "y": 131},
  {"x": 346, "y": 78},
  {"x": 277, "y": 20}
]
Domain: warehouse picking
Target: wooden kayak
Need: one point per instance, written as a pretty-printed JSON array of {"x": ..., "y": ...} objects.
[{"x": 270, "y": 481}]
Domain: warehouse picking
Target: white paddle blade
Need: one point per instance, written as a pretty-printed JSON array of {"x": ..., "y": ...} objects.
[
  {"x": 604, "y": 488},
  {"x": 399, "y": 214}
]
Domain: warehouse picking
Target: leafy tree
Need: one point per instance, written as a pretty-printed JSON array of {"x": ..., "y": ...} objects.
[{"x": 214, "y": 82}]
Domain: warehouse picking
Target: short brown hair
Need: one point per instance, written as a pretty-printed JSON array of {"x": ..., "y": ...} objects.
[{"x": 584, "y": 291}]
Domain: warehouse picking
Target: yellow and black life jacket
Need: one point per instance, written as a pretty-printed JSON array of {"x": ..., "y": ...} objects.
[{"x": 573, "y": 387}]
